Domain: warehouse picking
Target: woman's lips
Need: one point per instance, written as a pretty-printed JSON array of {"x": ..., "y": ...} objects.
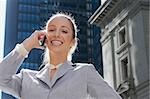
[{"x": 56, "y": 42}]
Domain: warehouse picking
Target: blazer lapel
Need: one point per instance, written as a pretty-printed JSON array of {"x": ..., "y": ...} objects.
[
  {"x": 44, "y": 76},
  {"x": 62, "y": 70}
]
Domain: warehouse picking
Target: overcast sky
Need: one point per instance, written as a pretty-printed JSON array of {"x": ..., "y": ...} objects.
[
  {"x": 102, "y": 1},
  {"x": 2, "y": 28},
  {"x": 2, "y": 24}
]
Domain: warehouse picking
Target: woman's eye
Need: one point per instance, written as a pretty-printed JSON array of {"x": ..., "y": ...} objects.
[
  {"x": 51, "y": 30},
  {"x": 64, "y": 31}
]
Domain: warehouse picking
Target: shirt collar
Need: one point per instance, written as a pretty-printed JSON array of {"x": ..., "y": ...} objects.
[{"x": 51, "y": 66}]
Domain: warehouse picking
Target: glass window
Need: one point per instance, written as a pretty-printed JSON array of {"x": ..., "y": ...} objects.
[
  {"x": 88, "y": 32},
  {"x": 124, "y": 66},
  {"x": 122, "y": 36},
  {"x": 89, "y": 40},
  {"x": 29, "y": 8},
  {"x": 28, "y": 17},
  {"x": 19, "y": 35}
]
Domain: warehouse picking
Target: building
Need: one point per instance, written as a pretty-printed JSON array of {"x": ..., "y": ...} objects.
[
  {"x": 25, "y": 16},
  {"x": 125, "y": 45}
]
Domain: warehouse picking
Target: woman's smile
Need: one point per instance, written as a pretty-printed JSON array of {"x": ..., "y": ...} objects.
[{"x": 56, "y": 43}]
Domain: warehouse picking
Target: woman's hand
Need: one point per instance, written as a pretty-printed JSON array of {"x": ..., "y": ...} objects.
[{"x": 33, "y": 41}]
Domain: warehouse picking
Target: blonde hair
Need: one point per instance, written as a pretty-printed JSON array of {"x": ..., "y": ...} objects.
[{"x": 75, "y": 30}]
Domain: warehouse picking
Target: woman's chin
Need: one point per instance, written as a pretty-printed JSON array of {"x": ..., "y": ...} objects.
[{"x": 57, "y": 51}]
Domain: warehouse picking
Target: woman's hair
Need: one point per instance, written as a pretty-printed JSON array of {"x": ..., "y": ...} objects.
[{"x": 46, "y": 58}]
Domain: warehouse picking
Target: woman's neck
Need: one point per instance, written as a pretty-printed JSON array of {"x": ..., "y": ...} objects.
[{"x": 57, "y": 59}]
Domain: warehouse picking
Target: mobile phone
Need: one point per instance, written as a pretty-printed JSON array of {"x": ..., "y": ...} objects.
[{"x": 42, "y": 42}]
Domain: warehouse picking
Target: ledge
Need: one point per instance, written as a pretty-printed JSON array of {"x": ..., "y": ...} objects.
[
  {"x": 125, "y": 86},
  {"x": 122, "y": 47},
  {"x": 102, "y": 11}
]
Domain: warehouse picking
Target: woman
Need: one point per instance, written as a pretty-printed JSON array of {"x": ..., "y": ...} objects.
[{"x": 59, "y": 78}]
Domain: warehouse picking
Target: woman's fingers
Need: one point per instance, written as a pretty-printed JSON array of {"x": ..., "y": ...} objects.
[{"x": 33, "y": 41}]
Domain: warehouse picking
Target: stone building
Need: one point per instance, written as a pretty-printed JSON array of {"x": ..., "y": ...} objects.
[{"x": 125, "y": 45}]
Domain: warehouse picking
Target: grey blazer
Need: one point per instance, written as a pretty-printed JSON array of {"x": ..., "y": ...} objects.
[{"x": 79, "y": 82}]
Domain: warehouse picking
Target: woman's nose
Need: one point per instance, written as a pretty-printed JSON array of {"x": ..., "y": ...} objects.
[{"x": 57, "y": 33}]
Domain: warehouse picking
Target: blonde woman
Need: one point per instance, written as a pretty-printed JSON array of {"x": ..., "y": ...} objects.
[{"x": 59, "y": 78}]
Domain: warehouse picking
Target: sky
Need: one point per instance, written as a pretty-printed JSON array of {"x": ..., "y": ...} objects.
[
  {"x": 2, "y": 25},
  {"x": 102, "y": 1},
  {"x": 2, "y": 28}
]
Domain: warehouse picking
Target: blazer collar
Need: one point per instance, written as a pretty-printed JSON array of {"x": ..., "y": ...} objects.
[{"x": 44, "y": 74}]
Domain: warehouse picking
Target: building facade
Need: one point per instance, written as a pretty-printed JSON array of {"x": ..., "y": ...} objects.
[
  {"x": 125, "y": 45},
  {"x": 25, "y": 16}
]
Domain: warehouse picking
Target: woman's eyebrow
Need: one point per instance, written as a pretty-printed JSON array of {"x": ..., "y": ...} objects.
[
  {"x": 51, "y": 26},
  {"x": 65, "y": 27}
]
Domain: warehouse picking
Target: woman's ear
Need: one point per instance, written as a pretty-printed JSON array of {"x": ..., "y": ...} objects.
[{"x": 73, "y": 42}]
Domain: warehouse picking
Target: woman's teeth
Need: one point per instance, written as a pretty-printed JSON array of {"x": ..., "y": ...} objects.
[{"x": 56, "y": 43}]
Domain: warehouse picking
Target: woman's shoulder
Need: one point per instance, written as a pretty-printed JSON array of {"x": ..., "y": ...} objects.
[
  {"x": 83, "y": 66},
  {"x": 28, "y": 72}
]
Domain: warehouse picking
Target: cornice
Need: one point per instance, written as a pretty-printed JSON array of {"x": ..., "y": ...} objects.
[
  {"x": 119, "y": 12},
  {"x": 103, "y": 11},
  {"x": 111, "y": 8}
]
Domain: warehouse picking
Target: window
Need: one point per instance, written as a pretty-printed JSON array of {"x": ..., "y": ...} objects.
[
  {"x": 89, "y": 41},
  {"x": 122, "y": 36},
  {"x": 88, "y": 32},
  {"x": 88, "y": 6},
  {"x": 124, "y": 67},
  {"x": 125, "y": 95},
  {"x": 29, "y": 8}
]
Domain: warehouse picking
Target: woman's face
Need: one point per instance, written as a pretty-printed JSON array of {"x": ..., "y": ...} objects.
[{"x": 60, "y": 35}]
